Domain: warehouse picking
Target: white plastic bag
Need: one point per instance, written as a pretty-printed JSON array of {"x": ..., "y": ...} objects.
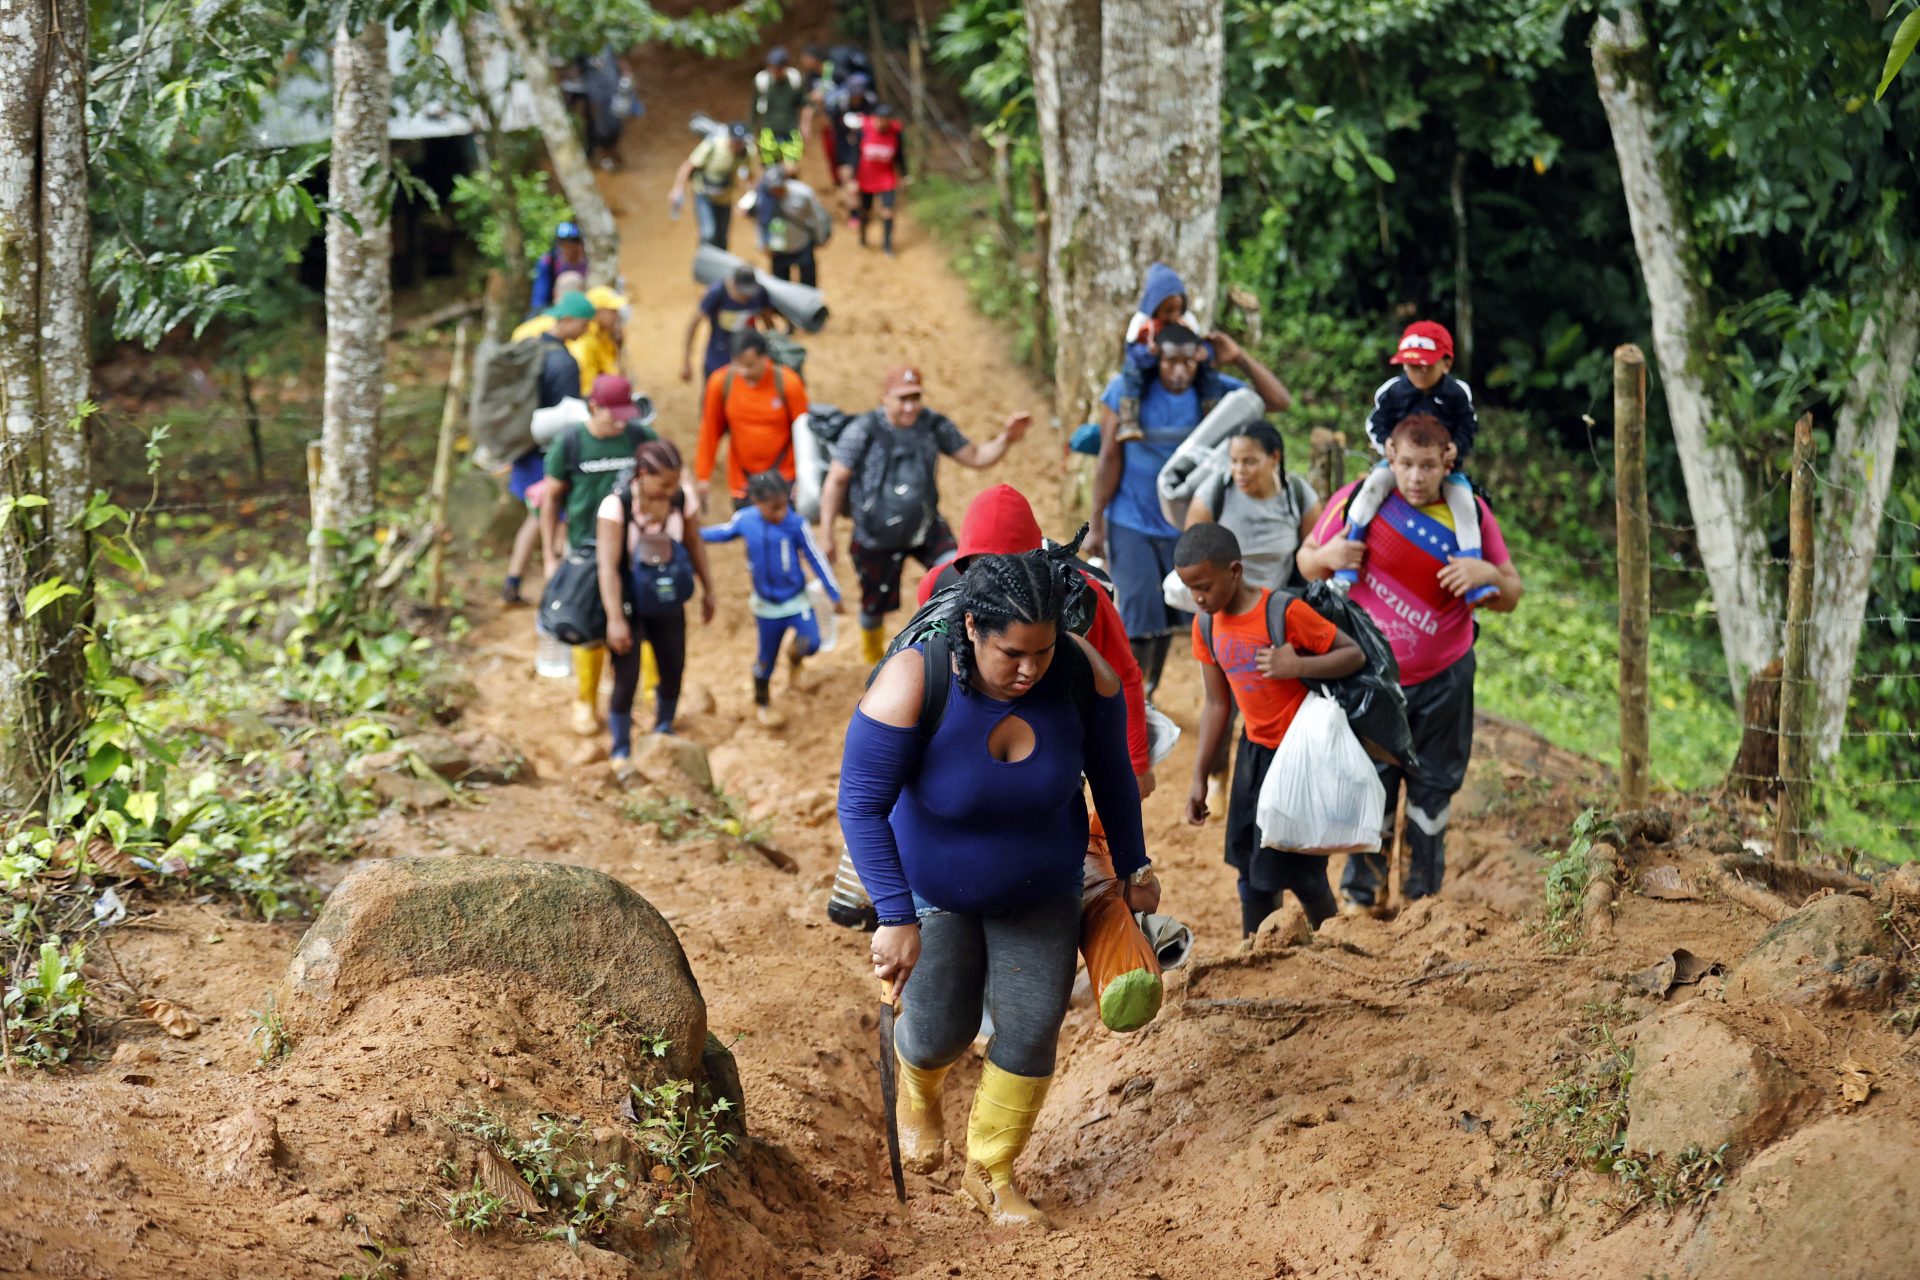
[
  {"x": 1321, "y": 794},
  {"x": 1175, "y": 593}
]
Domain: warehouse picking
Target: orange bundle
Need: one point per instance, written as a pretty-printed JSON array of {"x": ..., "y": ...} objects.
[{"x": 1121, "y": 964}]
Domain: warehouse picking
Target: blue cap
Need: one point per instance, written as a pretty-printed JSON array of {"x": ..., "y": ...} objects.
[
  {"x": 777, "y": 56},
  {"x": 567, "y": 231},
  {"x": 738, "y": 132}
]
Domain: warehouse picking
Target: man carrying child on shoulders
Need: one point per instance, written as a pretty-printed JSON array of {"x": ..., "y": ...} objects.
[{"x": 1415, "y": 584}]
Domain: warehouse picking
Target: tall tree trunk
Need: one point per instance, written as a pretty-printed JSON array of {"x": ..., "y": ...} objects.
[
  {"x": 45, "y": 252},
  {"x": 1853, "y": 503},
  {"x": 359, "y": 292},
  {"x": 570, "y": 165},
  {"x": 1128, "y": 99},
  {"x": 1462, "y": 269},
  {"x": 1732, "y": 544},
  {"x": 508, "y": 298}
]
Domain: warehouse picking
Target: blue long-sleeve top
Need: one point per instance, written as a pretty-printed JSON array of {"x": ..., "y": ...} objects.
[
  {"x": 548, "y": 269},
  {"x": 941, "y": 819},
  {"x": 776, "y": 554}
]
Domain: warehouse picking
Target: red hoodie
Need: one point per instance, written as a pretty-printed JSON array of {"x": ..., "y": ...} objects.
[{"x": 1000, "y": 522}]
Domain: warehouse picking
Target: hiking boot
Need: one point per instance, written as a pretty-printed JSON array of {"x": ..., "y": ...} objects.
[
  {"x": 769, "y": 718},
  {"x": 586, "y": 719},
  {"x": 510, "y": 592},
  {"x": 1005, "y": 1107},
  {"x": 1129, "y": 428}
]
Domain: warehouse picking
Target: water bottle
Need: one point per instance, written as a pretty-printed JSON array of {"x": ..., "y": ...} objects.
[{"x": 849, "y": 906}]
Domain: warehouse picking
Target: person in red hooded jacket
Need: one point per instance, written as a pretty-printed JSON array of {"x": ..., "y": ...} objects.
[{"x": 1001, "y": 522}]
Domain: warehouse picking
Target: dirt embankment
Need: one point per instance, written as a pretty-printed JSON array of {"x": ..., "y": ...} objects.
[{"x": 1341, "y": 1109}]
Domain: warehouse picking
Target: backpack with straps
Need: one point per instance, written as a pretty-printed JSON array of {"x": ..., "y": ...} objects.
[
  {"x": 936, "y": 624},
  {"x": 1374, "y": 703},
  {"x": 897, "y": 513},
  {"x": 779, "y": 398}
]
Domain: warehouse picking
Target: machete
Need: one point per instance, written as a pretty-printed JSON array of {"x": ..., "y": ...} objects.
[{"x": 890, "y": 1089}]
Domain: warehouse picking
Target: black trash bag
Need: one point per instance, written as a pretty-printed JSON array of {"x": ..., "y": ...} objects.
[{"x": 1376, "y": 706}]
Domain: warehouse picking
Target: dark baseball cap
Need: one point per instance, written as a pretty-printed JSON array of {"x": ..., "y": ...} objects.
[{"x": 614, "y": 394}]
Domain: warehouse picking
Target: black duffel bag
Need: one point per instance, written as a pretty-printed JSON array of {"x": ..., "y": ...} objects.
[{"x": 570, "y": 607}]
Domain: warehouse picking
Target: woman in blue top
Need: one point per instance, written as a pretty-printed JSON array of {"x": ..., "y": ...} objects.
[{"x": 970, "y": 838}]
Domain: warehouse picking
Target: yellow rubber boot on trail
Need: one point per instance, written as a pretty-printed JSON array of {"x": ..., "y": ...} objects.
[
  {"x": 649, "y": 674},
  {"x": 873, "y": 644},
  {"x": 1004, "y": 1109},
  {"x": 921, "y": 1139},
  {"x": 587, "y": 663}
]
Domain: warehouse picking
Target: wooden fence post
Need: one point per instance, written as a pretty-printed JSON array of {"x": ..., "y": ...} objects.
[
  {"x": 1327, "y": 462},
  {"x": 1630, "y": 519},
  {"x": 1796, "y": 694},
  {"x": 450, "y": 414}
]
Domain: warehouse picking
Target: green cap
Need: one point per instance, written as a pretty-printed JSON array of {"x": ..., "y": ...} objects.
[{"x": 572, "y": 306}]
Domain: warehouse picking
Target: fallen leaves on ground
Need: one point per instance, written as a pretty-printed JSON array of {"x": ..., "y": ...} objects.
[
  {"x": 1855, "y": 1080},
  {"x": 173, "y": 1019}
]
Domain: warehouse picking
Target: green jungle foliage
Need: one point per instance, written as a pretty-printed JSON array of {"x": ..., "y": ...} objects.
[{"x": 1348, "y": 130}]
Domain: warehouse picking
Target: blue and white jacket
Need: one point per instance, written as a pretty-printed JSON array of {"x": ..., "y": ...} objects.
[{"x": 774, "y": 554}]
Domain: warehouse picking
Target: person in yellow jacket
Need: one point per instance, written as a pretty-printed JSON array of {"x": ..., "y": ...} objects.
[{"x": 597, "y": 351}]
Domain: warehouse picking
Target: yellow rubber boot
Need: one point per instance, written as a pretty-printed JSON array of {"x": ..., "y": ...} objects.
[
  {"x": 588, "y": 660},
  {"x": 649, "y": 672},
  {"x": 873, "y": 644},
  {"x": 921, "y": 1139},
  {"x": 1004, "y": 1109}
]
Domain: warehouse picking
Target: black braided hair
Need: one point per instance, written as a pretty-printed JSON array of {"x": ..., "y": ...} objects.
[
  {"x": 1267, "y": 436},
  {"x": 1033, "y": 586}
]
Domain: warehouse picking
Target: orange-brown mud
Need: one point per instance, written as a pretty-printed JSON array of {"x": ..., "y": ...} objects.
[{"x": 1360, "y": 1130}]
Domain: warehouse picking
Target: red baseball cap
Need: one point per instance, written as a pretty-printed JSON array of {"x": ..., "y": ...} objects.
[
  {"x": 904, "y": 378},
  {"x": 1424, "y": 342},
  {"x": 614, "y": 394}
]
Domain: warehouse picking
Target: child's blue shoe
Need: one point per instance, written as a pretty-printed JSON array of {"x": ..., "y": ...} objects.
[{"x": 1482, "y": 593}]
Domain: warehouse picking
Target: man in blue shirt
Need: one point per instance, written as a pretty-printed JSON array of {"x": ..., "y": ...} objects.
[
  {"x": 730, "y": 307},
  {"x": 1127, "y": 526}
]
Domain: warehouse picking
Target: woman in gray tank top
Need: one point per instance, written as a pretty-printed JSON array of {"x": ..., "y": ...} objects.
[{"x": 1269, "y": 511}]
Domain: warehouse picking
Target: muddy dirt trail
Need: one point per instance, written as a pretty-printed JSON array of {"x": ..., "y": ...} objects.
[{"x": 1342, "y": 1109}]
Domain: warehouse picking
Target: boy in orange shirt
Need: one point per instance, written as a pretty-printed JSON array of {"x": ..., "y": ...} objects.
[
  {"x": 755, "y": 401},
  {"x": 1244, "y": 656}
]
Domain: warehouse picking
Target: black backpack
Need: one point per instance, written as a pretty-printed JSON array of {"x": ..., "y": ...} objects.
[
  {"x": 935, "y": 624},
  {"x": 1375, "y": 705},
  {"x": 570, "y": 607},
  {"x": 896, "y": 514}
]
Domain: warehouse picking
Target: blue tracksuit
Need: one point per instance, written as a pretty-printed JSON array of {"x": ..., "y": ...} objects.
[{"x": 775, "y": 553}]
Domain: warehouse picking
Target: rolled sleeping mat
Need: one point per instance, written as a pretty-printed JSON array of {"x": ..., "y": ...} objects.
[
  {"x": 1212, "y": 467},
  {"x": 1236, "y": 409},
  {"x": 705, "y": 125},
  {"x": 548, "y": 423},
  {"x": 806, "y": 469},
  {"x": 804, "y": 306}
]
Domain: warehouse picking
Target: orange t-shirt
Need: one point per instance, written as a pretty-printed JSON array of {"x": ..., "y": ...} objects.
[
  {"x": 759, "y": 422},
  {"x": 1268, "y": 706}
]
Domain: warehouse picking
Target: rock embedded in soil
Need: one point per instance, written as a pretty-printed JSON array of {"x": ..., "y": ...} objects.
[
  {"x": 1696, "y": 1081},
  {"x": 1839, "y": 1199},
  {"x": 576, "y": 932},
  {"x": 1831, "y": 951},
  {"x": 1287, "y": 927},
  {"x": 673, "y": 764}
]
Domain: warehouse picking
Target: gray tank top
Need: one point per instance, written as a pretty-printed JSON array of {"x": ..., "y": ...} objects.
[{"x": 1268, "y": 529}]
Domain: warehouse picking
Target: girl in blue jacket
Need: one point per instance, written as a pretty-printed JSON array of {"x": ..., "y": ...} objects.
[{"x": 778, "y": 540}]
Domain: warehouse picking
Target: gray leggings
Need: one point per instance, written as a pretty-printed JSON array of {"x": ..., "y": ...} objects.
[{"x": 1020, "y": 961}]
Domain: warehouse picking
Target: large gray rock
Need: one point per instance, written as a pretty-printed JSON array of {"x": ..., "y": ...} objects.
[
  {"x": 1840, "y": 1200},
  {"x": 1831, "y": 951},
  {"x": 578, "y": 933},
  {"x": 1697, "y": 1081}
]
